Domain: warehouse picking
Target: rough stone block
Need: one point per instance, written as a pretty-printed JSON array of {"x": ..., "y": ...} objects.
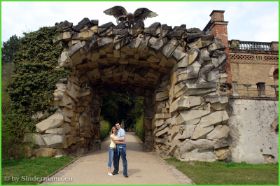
[
  {"x": 84, "y": 35},
  {"x": 193, "y": 54},
  {"x": 190, "y": 115},
  {"x": 45, "y": 152},
  {"x": 186, "y": 131},
  {"x": 200, "y": 144},
  {"x": 173, "y": 131},
  {"x": 185, "y": 102},
  {"x": 66, "y": 36},
  {"x": 195, "y": 155},
  {"x": 64, "y": 59},
  {"x": 53, "y": 140},
  {"x": 200, "y": 131},
  {"x": 214, "y": 118},
  {"x": 161, "y": 132},
  {"x": 220, "y": 131},
  {"x": 184, "y": 62},
  {"x": 169, "y": 48},
  {"x": 216, "y": 99},
  {"x": 34, "y": 138},
  {"x": 217, "y": 45},
  {"x": 104, "y": 41},
  {"x": 73, "y": 49},
  {"x": 161, "y": 96},
  {"x": 161, "y": 140},
  {"x": 179, "y": 53},
  {"x": 205, "y": 55},
  {"x": 213, "y": 75},
  {"x": 162, "y": 115},
  {"x": 62, "y": 130},
  {"x": 54, "y": 121},
  {"x": 196, "y": 44},
  {"x": 156, "y": 43},
  {"x": 222, "y": 154},
  {"x": 178, "y": 87}
]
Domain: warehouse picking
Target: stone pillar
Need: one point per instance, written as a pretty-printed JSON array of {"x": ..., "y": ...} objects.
[
  {"x": 235, "y": 88},
  {"x": 274, "y": 46},
  {"x": 218, "y": 27},
  {"x": 95, "y": 120},
  {"x": 148, "y": 120}
]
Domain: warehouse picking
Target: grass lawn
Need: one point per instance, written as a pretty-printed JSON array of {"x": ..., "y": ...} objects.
[
  {"x": 228, "y": 173},
  {"x": 26, "y": 168}
]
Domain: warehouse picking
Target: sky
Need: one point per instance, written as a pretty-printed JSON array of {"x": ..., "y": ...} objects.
[{"x": 248, "y": 21}]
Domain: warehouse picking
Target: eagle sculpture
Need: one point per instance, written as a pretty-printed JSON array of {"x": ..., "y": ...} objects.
[{"x": 129, "y": 20}]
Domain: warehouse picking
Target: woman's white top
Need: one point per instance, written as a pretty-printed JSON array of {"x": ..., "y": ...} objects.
[{"x": 112, "y": 144}]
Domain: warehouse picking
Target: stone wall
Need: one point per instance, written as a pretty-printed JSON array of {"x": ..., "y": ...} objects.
[
  {"x": 180, "y": 71},
  {"x": 253, "y": 125},
  {"x": 190, "y": 121}
]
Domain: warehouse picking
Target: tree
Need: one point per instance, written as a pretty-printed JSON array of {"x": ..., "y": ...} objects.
[
  {"x": 122, "y": 106},
  {"x": 10, "y": 48}
]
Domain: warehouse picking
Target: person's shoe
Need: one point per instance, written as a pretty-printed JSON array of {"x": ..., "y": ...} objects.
[
  {"x": 110, "y": 174},
  {"x": 114, "y": 173},
  {"x": 126, "y": 176}
]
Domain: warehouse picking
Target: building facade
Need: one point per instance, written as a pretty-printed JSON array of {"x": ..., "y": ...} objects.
[{"x": 252, "y": 83}]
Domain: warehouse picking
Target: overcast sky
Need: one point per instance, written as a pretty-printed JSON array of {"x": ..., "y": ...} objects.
[{"x": 256, "y": 21}]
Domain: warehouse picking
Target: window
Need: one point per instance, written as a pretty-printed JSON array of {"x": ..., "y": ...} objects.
[{"x": 261, "y": 88}]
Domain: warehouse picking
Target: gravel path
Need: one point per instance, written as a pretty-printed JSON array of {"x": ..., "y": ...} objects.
[{"x": 143, "y": 168}]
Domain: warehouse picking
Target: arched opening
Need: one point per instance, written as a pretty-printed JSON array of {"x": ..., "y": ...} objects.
[
  {"x": 178, "y": 72},
  {"x": 97, "y": 73}
]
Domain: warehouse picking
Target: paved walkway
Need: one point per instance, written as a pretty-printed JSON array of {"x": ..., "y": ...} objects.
[{"x": 143, "y": 168}]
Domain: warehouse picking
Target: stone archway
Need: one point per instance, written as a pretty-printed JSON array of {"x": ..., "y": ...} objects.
[{"x": 180, "y": 72}]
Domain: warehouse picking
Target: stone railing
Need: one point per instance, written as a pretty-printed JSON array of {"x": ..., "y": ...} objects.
[{"x": 236, "y": 45}]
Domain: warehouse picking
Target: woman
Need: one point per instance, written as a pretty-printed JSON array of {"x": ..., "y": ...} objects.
[{"x": 113, "y": 136}]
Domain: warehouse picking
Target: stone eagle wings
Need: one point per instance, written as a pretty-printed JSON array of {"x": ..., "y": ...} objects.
[{"x": 130, "y": 20}]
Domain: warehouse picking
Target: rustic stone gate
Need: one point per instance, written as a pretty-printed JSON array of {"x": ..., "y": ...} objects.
[{"x": 180, "y": 73}]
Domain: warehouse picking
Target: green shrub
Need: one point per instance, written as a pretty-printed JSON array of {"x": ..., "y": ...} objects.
[
  {"x": 139, "y": 129},
  {"x": 32, "y": 84},
  {"x": 14, "y": 126},
  {"x": 105, "y": 128}
]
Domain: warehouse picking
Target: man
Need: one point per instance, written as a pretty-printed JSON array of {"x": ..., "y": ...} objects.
[{"x": 120, "y": 151}]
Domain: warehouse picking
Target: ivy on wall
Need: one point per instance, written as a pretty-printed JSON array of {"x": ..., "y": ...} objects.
[
  {"x": 31, "y": 86},
  {"x": 35, "y": 72}
]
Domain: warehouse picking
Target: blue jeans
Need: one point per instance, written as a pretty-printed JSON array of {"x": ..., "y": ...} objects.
[
  {"x": 111, "y": 156},
  {"x": 120, "y": 152}
]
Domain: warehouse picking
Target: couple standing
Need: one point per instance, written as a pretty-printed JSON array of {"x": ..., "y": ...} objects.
[{"x": 117, "y": 149}]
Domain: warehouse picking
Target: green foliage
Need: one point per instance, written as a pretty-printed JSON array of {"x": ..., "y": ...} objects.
[
  {"x": 139, "y": 128},
  {"x": 228, "y": 173},
  {"x": 35, "y": 72},
  {"x": 31, "y": 86},
  {"x": 9, "y": 49},
  {"x": 122, "y": 106},
  {"x": 7, "y": 71},
  {"x": 14, "y": 126},
  {"x": 105, "y": 128},
  {"x": 39, "y": 167}
]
